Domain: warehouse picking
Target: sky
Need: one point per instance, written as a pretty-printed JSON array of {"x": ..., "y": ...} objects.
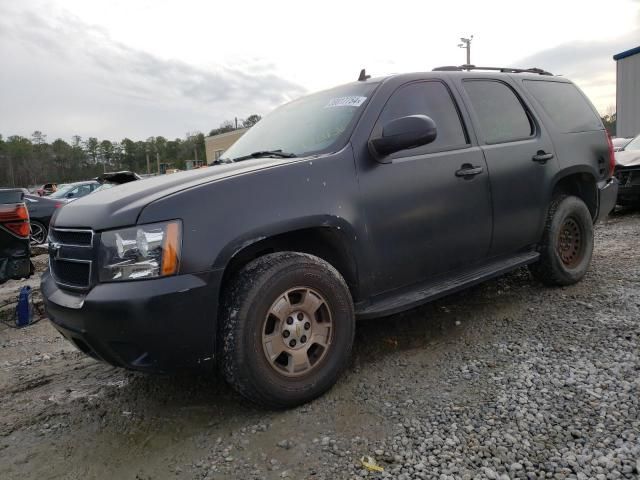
[{"x": 140, "y": 68}]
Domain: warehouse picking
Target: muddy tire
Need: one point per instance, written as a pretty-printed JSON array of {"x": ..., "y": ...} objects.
[
  {"x": 286, "y": 329},
  {"x": 567, "y": 243}
]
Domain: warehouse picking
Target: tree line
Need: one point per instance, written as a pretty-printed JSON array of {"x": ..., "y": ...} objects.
[{"x": 31, "y": 161}]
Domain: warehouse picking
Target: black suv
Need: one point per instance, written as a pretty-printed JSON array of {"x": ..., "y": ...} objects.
[{"x": 355, "y": 202}]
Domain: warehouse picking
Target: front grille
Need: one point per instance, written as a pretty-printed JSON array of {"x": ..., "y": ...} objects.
[
  {"x": 71, "y": 256},
  {"x": 70, "y": 273},
  {"x": 71, "y": 236},
  {"x": 622, "y": 176}
]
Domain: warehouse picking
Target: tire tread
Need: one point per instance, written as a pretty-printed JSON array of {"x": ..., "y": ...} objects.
[{"x": 241, "y": 287}]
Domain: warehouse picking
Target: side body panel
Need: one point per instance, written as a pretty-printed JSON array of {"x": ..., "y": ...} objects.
[
  {"x": 520, "y": 187},
  {"x": 422, "y": 219},
  {"x": 576, "y": 152}
]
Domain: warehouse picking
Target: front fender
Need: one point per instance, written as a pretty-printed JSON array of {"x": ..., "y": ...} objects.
[{"x": 265, "y": 232}]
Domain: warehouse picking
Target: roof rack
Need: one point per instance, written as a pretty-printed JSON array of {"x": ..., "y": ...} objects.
[{"x": 461, "y": 68}]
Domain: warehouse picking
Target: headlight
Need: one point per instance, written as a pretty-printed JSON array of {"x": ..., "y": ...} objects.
[{"x": 145, "y": 251}]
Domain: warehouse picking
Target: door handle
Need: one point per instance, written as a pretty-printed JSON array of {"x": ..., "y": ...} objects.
[
  {"x": 468, "y": 170},
  {"x": 542, "y": 157}
]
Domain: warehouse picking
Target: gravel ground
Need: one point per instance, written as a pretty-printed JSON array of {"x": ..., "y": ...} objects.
[{"x": 507, "y": 380}]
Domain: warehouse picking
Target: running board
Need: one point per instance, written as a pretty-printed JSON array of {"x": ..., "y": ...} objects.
[{"x": 434, "y": 289}]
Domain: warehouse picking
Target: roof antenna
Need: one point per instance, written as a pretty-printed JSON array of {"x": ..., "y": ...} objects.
[{"x": 363, "y": 76}]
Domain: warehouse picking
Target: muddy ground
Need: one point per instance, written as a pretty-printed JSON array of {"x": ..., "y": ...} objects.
[{"x": 462, "y": 360}]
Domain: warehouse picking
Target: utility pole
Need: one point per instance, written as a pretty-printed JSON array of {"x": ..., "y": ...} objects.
[
  {"x": 148, "y": 164},
  {"x": 466, "y": 44},
  {"x": 158, "y": 161}
]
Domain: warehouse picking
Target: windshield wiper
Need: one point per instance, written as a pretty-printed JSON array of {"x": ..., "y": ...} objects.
[{"x": 266, "y": 153}]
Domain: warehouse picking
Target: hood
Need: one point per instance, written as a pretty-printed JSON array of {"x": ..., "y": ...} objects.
[
  {"x": 45, "y": 200},
  {"x": 120, "y": 206},
  {"x": 628, "y": 158}
]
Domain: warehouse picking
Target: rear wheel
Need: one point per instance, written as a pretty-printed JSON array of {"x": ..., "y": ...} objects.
[
  {"x": 567, "y": 243},
  {"x": 287, "y": 329}
]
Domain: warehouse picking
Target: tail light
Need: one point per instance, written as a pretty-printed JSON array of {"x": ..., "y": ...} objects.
[
  {"x": 612, "y": 155},
  {"x": 15, "y": 218}
]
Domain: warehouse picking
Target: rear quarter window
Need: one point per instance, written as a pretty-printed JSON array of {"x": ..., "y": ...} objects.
[{"x": 567, "y": 107}]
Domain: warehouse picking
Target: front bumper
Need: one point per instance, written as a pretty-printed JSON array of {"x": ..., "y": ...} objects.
[
  {"x": 156, "y": 325},
  {"x": 629, "y": 194},
  {"x": 607, "y": 196}
]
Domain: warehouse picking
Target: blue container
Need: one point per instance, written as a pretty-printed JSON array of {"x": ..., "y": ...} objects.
[{"x": 24, "y": 311}]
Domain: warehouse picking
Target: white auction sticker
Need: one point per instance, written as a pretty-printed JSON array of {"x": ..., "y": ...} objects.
[{"x": 353, "y": 101}]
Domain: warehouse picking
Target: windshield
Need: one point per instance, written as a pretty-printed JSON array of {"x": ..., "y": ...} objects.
[
  {"x": 633, "y": 144},
  {"x": 317, "y": 123}
]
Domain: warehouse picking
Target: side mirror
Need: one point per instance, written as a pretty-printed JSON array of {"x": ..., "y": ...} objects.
[
  {"x": 402, "y": 133},
  {"x": 70, "y": 195}
]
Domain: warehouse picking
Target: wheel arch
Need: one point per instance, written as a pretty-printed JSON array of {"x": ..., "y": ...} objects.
[
  {"x": 329, "y": 239},
  {"x": 580, "y": 183}
]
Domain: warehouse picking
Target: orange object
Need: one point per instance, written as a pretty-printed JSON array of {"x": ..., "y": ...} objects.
[{"x": 171, "y": 250}]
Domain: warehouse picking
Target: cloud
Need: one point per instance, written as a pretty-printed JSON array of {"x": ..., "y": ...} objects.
[
  {"x": 588, "y": 64},
  {"x": 63, "y": 77}
]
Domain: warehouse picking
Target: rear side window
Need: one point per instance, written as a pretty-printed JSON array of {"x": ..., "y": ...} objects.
[
  {"x": 564, "y": 103},
  {"x": 434, "y": 100},
  {"x": 500, "y": 113}
]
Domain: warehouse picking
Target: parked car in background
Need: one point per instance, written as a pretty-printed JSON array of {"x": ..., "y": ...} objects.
[
  {"x": 46, "y": 189},
  {"x": 15, "y": 252},
  {"x": 118, "y": 178},
  {"x": 628, "y": 174},
  {"x": 619, "y": 143},
  {"x": 360, "y": 201},
  {"x": 41, "y": 209},
  {"x": 75, "y": 190}
]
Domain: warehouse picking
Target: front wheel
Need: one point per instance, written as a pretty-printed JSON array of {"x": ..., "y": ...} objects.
[
  {"x": 567, "y": 243},
  {"x": 287, "y": 328}
]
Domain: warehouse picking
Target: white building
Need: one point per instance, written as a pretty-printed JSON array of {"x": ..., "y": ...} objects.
[{"x": 628, "y": 92}]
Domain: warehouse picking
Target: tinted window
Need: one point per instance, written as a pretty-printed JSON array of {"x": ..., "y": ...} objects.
[
  {"x": 426, "y": 98},
  {"x": 567, "y": 107},
  {"x": 501, "y": 116}
]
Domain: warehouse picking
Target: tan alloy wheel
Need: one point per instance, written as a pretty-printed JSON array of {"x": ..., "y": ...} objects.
[{"x": 297, "y": 332}]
